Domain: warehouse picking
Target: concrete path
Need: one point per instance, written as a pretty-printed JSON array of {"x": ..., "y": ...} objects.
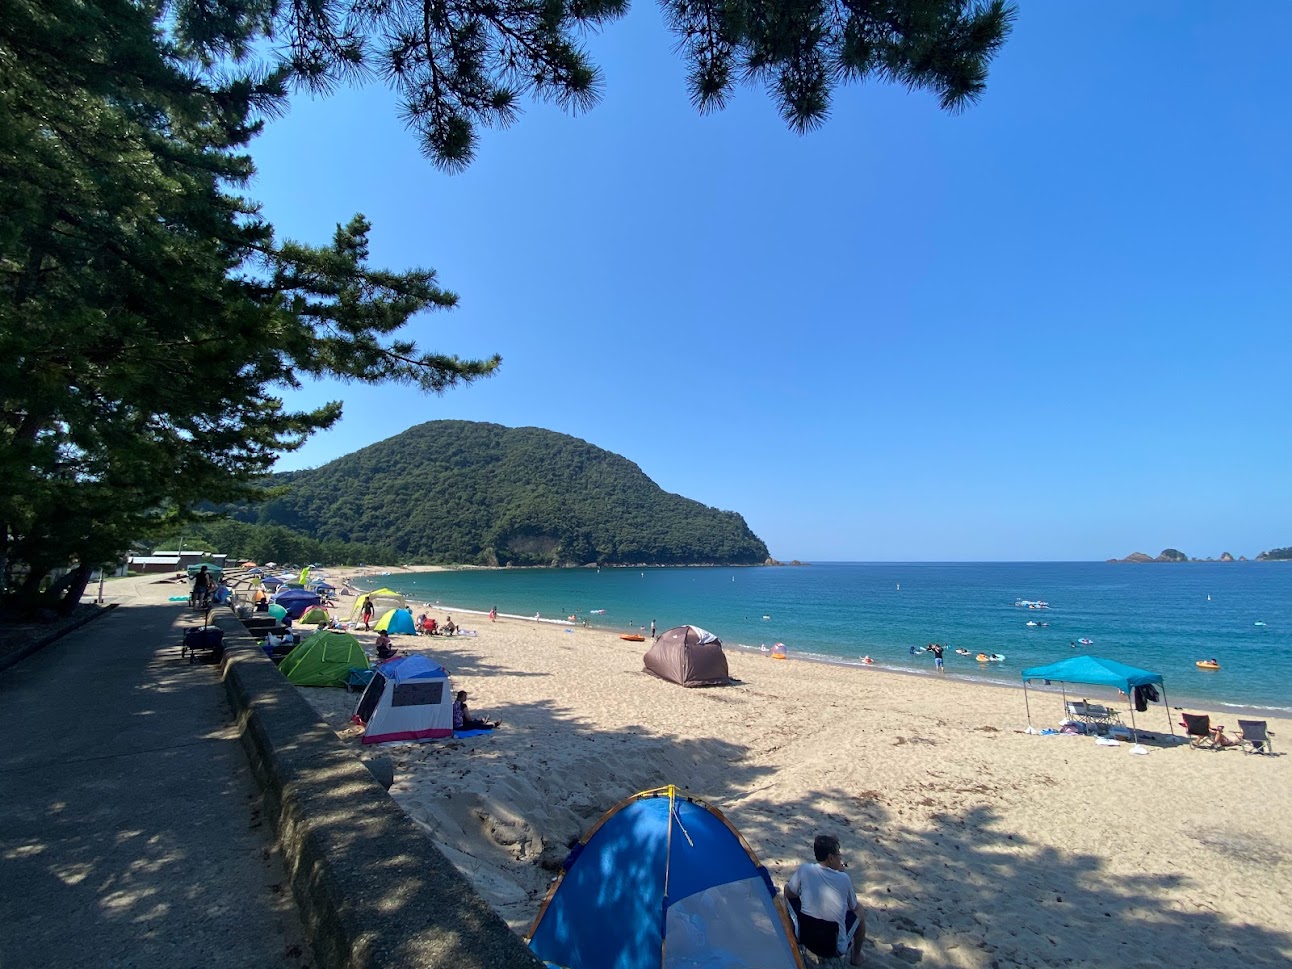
[{"x": 130, "y": 829}]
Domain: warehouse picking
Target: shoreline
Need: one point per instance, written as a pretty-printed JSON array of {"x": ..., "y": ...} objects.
[
  {"x": 1180, "y": 699},
  {"x": 971, "y": 840}
]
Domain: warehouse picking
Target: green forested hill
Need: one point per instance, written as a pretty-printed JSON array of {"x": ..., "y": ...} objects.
[{"x": 464, "y": 492}]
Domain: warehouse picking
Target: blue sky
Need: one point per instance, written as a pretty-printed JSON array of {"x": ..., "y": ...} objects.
[{"x": 1053, "y": 327}]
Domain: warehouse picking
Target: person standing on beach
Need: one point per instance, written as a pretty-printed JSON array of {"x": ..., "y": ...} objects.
[
  {"x": 823, "y": 893},
  {"x": 493, "y": 614},
  {"x": 936, "y": 649},
  {"x": 368, "y": 610},
  {"x": 652, "y": 629}
]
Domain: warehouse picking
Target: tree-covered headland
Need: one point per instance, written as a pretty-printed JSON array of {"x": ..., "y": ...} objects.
[
  {"x": 150, "y": 315},
  {"x": 460, "y": 492}
]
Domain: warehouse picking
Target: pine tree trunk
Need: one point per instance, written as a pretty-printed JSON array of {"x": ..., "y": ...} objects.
[{"x": 75, "y": 582}]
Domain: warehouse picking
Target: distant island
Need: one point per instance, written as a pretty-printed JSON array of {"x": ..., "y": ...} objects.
[{"x": 1175, "y": 555}]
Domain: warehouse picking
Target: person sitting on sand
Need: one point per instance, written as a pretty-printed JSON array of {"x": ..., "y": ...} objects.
[
  {"x": 449, "y": 628},
  {"x": 462, "y": 719},
  {"x": 384, "y": 649},
  {"x": 1220, "y": 740},
  {"x": 822, "y": 898}
]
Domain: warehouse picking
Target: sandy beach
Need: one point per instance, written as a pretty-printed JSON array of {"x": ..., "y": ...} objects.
[{"x": 971, "y": 843}]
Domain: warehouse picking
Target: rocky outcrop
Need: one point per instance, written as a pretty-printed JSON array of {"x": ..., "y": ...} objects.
[{"x": 1134, "y": 557}]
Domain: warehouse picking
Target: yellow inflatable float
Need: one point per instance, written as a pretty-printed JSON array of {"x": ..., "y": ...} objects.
[{"x": 1207, "y": 664}]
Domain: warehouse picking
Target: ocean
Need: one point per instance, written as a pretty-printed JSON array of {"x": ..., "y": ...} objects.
[{"x": 1159, "y": 617}]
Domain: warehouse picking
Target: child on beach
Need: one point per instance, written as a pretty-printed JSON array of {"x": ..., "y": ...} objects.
[
  {"x": 384, "y": 649},
  {"x": 493, "y": 614}
]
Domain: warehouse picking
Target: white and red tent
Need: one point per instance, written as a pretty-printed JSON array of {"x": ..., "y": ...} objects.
[{"x": 406, "y": 699}]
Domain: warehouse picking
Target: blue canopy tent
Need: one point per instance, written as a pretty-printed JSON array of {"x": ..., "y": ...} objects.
[{"x": 1096, "y": 671}]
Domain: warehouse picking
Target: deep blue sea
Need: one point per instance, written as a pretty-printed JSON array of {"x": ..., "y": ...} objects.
[{"x": 1159, "y": 617}]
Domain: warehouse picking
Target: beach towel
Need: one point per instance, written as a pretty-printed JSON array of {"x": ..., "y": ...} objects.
[{"x": 462, "y": 734}]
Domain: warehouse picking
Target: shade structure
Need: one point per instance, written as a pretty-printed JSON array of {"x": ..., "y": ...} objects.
[
  {"x": 1096, "y": 671},
  {"x": 397, "y": 621},
  {"x": 211, "y": 567},
  {"x": 277, "y": 611},
  {"x": 408, "y": 698},
  {"x": 324, "y": 659},
  {"x": 688, "y": 656},
  {"x": 297, "y": 601},
  {"x": 663, "y": 881}
]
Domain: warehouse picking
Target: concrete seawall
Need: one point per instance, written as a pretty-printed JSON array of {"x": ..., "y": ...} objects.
[{"x": 373, "y": 891}]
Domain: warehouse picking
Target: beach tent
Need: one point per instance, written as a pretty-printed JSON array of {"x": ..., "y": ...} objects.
[
  {"x": 383, "y": 600},
  {"x": 1096, "y": 671},
  {"x": 324, "y": 659},
  {"x": 277, "y": 611},
  {"x": 663, "y": 881},
  {"x": 296, "y": 601},
  {"x": 320, "y": 586},
  {"x": 407, "y": 699},
  {"x": 688, "y": 656},
  {"x": 396, "y": 621},
  {"x": 271, "y": 581},
  {"x": 315, "y": 615}
]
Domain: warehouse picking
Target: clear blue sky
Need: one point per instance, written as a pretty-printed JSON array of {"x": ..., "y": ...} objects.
[{"x": 1053, "y": 327}]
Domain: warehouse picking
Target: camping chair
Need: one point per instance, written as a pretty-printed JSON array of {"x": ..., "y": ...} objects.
[
  {"x": 818, "y": 936},
  {"x": 1198, "y": 727},
  {"x": 1255, "y": 737}
]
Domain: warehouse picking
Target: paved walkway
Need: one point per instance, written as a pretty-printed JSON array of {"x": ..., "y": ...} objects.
[{"x": 130, "y": 832}]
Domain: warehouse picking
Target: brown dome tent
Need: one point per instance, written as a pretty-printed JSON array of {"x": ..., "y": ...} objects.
[{"x": 688, "y": 656}]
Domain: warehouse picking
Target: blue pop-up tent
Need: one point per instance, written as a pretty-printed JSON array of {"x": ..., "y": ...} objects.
[
  {"x": 663, "y": 881},
  {"x": 1096, "y": 671}
]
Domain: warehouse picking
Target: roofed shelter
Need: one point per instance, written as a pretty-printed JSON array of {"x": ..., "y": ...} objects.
[{"x": 1096, "y": 671}]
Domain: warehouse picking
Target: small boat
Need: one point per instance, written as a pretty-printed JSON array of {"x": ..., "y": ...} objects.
[
  {"x": 1033, "y": 622},
  {"x": 767, "y": 617},
  {"x": 1086, "y": 642},
  {"x": 963, "y": 652},
  {"x": 633, "y": 638},
  {"x": 1258, "y": 623},
  {"x": 1207, "y": 664},
  {"x": 596, "y": 612}
]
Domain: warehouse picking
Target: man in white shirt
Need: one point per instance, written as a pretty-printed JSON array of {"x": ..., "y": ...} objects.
[{"x": 823, "y": 893}]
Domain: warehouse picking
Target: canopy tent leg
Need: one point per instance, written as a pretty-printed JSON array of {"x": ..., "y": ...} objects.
[
  {"x": 1028, "y": 705},
  {"x": 1167, "y": 703},
  {"x": 1134, "y": 730}
]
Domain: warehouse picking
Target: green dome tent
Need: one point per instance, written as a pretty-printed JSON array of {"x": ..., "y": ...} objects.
[
  {"x": 315, "y": 615},
  {"x": 324, "y": 659}
]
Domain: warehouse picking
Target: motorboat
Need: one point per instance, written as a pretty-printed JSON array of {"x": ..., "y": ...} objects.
[
  {"x": 1084, "y": 641},
  {"x": 1031, "y": 604},
  {"x": 1207, "y": 664}
]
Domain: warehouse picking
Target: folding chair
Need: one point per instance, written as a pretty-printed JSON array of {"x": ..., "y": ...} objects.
[
  {"x": 1255, "y": 737},
  {"x": 1198, "y": 727}
]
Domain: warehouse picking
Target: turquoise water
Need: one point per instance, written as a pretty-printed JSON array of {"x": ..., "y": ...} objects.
[{"x": 1160, "y": 617}]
